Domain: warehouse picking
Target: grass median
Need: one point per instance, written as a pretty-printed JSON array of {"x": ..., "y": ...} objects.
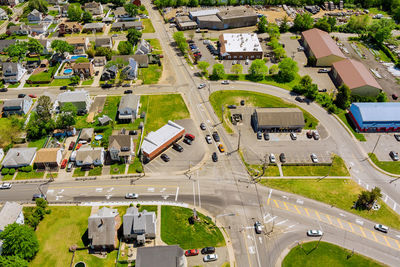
[
  {"x": 325, "y": 254},
  {"x": 389, "y": 166},
  {"x": 338, "y": 168},
  {"x": 341, "y": 193}
]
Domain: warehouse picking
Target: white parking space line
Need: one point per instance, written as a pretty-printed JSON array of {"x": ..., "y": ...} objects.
[
  {"x": 282, "y": 222},
  {"x": 176, "y": 194}
]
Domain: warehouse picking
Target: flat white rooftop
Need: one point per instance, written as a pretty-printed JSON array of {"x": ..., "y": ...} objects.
[
  {"x": 241, "y": 42},
  {"x": 158, "y": 138}
]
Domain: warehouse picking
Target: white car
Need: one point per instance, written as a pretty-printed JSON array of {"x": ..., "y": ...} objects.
[
  {"x": 323, "y": 71},
  {"x": 314, "y": 233},
  {"x": 210, "y": 257},
  {"x": 382, "y": 228},
  {"x": 272, "y": 158},
  {"x": 202, "y": 85},
  {"x": 131, "y": 196},
  {"x": 314, "y": 158},
  {"x": 225, "y": 82},
  {"x": 5, "y": 186},
  {"x": 208, "y": 139}
]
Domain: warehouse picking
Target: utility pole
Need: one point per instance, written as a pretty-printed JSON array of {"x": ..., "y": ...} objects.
[{"x": 238, "y": 147}]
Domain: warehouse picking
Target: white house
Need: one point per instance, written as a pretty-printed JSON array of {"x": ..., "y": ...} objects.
[
  {"x": 35, "y": 16},
  {"x": 88, "y": 157},
  {"x": 13, "y": 72},
  {"x": 79, "y": 98},
  {"x": 143, "y": 48},
  {"x": 3, "y": 14},
  {"x": 130, "y": 72}
]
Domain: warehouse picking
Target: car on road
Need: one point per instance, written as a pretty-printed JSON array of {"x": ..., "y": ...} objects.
[
  {"x": 96, "y": 73},
  {"x": 394, "y": 155},
  {"x": 128, "y": 92},
  {"x": 187, "y": 141},
  {"x": 201, "y": 86},
  {"x": 63, "y": 87},
  {"x": 314, "y": 158},
  {"x": 258, "y": 227},
  {"x": 106, "y": 85},
  {"x": 208, "y": 250},
  {"x": 191, "y": 252},
  {"x": 210, "y": 257},
  {"x": 234, "y": 62},
  {"x": 177, "y": 147},
  {"x": 21, "y": 95},
  {"x": 32, "y": 96},
  {"x": 259, "y": 135},
  {"x": 282, "y": 157},
  {"x": 323, "y": 71},
  {"x": 272, "y": 158},
  {"x": 216, "y": 136},
  {"x": 64, "y": 163},
  {"x": 242, "y": 102},
  {"x": 71, "y": 145},
  {"x": 214, "y": 157},
  {"x": 293, "y": 136},
  {"x": 203, "y": 126},
  {"x": 221, "y": 148},
  {"x": 382, "y": 228},
  {"x": 397, "y": 136},
  {"x": 299, "y": 99},
  {"x": 208, "y": 139},
  {"x": 225, "y": 82},
  {"x": 78, "y": 146},
  {"x": 165, "y": 157},
  {"x": 266, "y": 136},
  {"x": 314, "y": 233},
  {"x": 5, "y": 186},
  {"x": 316, "y": 135},
  {"x": 69, "y": 167},
  {"x": 394, "y": 96},
  {"x": 36, "y": 196},
  {"x": 3, "y": 89},
  {"x": 131, "y": 196}
]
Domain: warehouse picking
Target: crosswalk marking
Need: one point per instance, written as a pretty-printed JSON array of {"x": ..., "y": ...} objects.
[
  {"x": 397, "y": 242},
  {"x": 316, "y": 212},
  {"x": 276, "y": 203},
  {"x": 284, "y": 203},
  {"x": 373, "y": 234},
  {"x": 351, "y": 226},
  {"x": 329, "y": 218}
]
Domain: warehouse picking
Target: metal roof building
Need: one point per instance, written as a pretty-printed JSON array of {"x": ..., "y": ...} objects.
[
  {"x": 376, "y": 117},
  {"x": 156, "y": 142},
  {"x": 200, "y": 13},
  {"x": 240, "y": 46},
  {"x": 278, "y": 119}
]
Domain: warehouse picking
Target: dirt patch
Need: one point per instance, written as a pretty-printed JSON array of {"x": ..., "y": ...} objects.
[{"x": 274, "y": 14}]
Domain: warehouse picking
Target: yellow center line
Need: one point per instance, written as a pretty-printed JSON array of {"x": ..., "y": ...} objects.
[
  {"x": 340, "y": 223},
  {"x": 373, "y": 234},
  {"x": 298, "y": 211},
  {"x": 387, "y": 242},
  {"x": 329, "y": 218},
  {"x": 397, "y": 242},
  {"x": 308, "y": 214},
  {"x": 351, "y": 226},
  {"x": 316, "y": 212},
  {"x": 284, "y": 203},
  {"x": 276, "y": 203},
  {"x": 362, "y": 231},
  {"x": 112, "y": 185}
]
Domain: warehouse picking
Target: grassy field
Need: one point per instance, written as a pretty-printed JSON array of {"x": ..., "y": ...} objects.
[
  {"x": 29, "y": 175},
  {"x": 78, "y": 172},
  {"x": 230, "y": 97},
  {"x": 88, "y": 82},
  {"x": 117, "y": 169},
  {"x": 256, "y": 169},
  {"x": 340, "y": 193},
  {"x": 150, "y": 75},
  {"x": 10, "y": 127},
  {"x": 134, "y": 166},
  {"x": 162, "y": 108},
  {"x": 338, "y": 168},
  {"x": 389, "y": 166},
  {"x": 345, "y": 118},
  {"x": 148, "y": 26},
  {"x": 175, "y": 229},
  {"x": 37, "y": 143},
  {"x": 96, "y": 171},
  {"x": 325, "y": 254},
  {"x": 155, "y": 43},
  {"x": 14, "y": 85}
]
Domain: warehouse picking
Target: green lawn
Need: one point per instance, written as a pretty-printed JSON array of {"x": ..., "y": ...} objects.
[
  {"x": 149, "y": 208},
  {"x": 389, "y": 166},
  {"x": 88, "y": 82},
  {"x": 161, "y": 108},
  {"x": 110, "y": 107},
  {"x": 78, "y": 172},
  {"x": 224, "y": 98},
  {"x": 338, "y": 168},
  {"x": 37, "y": 143},
  {"x": 14, "y": 85},
  {"x": 29, "y": 175},
  {"x": 136, "y": 165},
  {"x": 150, "y": 75},
  {"x": 10, "y": 127},
  {"x": 175, "y": 229},
  {"x": 148, "y": 26},
  {"x": 155, "y": 43},
  {"x": 53, "y": 174},
  {"x": 117, "y": 169},
  {"x": 257, "y": 169},
  {"x": 96, "y": 171},
  {"x": 325, "y": 254},
  {"x": 7, "y": 177},
  {"x": 55, "y": 82},
  {"x": 43, "y": 76},
  {"x": 345, "y": 118},
  {"x": 341, "y": 193}
]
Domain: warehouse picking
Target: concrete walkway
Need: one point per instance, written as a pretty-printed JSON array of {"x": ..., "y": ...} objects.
[{"x": 158, "y": 241}]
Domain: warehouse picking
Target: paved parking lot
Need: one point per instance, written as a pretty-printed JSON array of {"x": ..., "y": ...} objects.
[
  {"x": 205, "y": 53},
  {"x": 180, "y": 161},
  {"x": 221, "y": 252},
  {"x": 383, "y": 143}
]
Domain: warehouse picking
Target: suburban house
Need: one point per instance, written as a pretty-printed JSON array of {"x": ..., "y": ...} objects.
[
  {"x": 69, "y": 27},
  {"x": 83, "y": 69},
  {"x": 48, "y": 158},
  {"x": 107, "y": 20},
  {"x": 11, "y": 213},
  {"x": 102, "y": 229},
  {"x": 109, "y": 73},
  {"x": 3, "y": 14},
  {"x": 120, "y": 12},
  {"x": 89, "y": 157},
  {"x": 19, "y": 30},
  {"x": 19, "y": 157},
  {"x": 121, "y": 148},
  {"x": 17, "y": 106},
  {"x": 139, "y": 225},
  {"x": 80, "y": 99},
  {"x": 94, "y": 27},
  {"x": 86, "y": 134},
  {"x": 94, "y": 8},
  {"x": 12, "y": 72},
  {"x": 56, "y": 2},
  {"x": 49, "y": 19},
  {"x": 80, "y": 44},
  {"x": 5, "y": 44},
  {"x": 46, "y": 44},
  {"x": 99, "y": 61},
  {"x": 143, "y": 48},
  {"x": 155, "y": 256},
  {"x": 126, "y": 25},
  {"x": 10, "y": 3},
  {"x": 130, "y": 72},
  {"x": 63, "y": 10},
  {"x": 104, "y": 42},
  {"x": 104, "y": 120},
  {"x": 39, "y": 28},
  {"x": 128, "y": 109},
  {"x": 35, "y": 16}
]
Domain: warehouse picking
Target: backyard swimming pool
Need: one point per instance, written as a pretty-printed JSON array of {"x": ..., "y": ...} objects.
[
  {"x": 78, "y": 56},
  {"x": 68, "y": 71}
]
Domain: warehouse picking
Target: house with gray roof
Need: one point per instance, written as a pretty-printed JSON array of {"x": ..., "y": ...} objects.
[
  {"x": 86, "y": 134},
  {"x": 104, "y": 120},
  {"x": 94, "y": 8},
  {"x": 143, "y": 48},
  {"x": 128, "y": 109},
  {"x": 102, "y": 229},
  {"x": 156, "y": 256},
  {"x": 120, "y": 147},
  {"x": 104, "y": 42},
  {"x": 46, "y": 45},
  {"x": 3, "y": 14},
  {"x": 6, "y": 43},
  {"x": 35, "y": 16},
  {"x": 17, "y": 106},
  {"x": 130, "y": 72},
  {"x": 79, "y": 98},
  {"x": 94, "y": 27},
  {"x": 11, "y": 213},
  {"x": 89, "y": 157},
  {"x": 19, "y": 157},
  {"x": 139, "y": 225},
  {"x": 126, "y": 25},
  {"x": 109, "y": 73},
  {"x": 13, "y": 72}
]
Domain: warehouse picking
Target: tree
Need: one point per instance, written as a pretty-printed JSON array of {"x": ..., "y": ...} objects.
[
  {"x": 69, "y": 108},
  {"x": 381, "y": 29},
  {"x": 87, "y": 17},
  {"x": 81, "y": 60},
  {"x": 323, "y": 24},
  {"x": 284, "y": 27},
  {"x": 332, "y": 22},
  {"x": 279, "y": 52},
  {"x": 61, "y": 46},
  {"x": 396, "y": 14},
  {"x": 262, "y": 24},
  {"x": 75, "y": 79},
  {"x": 381, "y": 97},
  {"x": 34, "y": 46},
  {"x": 273, "y": 31},
  {"x": 12, "y": 261},
  {"x": 358, "y": 24},
  {"x": 39, "y": 5},
  {"x": 193, "y": 3},
  {"x": 237, "y": 69},
  {"x": 258, "y": 69},
  {"x": 131, "y": 9},
  {"x": 303, "y": 22},
  {"x": 74, "y": 12},
  {"x": 125, "y": 48},
  {"x": 343, "y": 97},
  {"x": 17, "y": 50},
  {"x": 273, "y": 69},
  {"x": 118, "y": 3},
  {"x": 19, "y": 240},
  {"x": 367, "y": 198},
  {"x": 203, "y": 65},
  {"x": 104, "y": 52},
  {"x": 43, "y": 108},
  {"x": 287, "y": 70},
  {"x": 180, "y": 41},
  {"x": 133, "y": 36},
  {"x": 218, "y": 71},
  {"x": 64, "y": 120}
]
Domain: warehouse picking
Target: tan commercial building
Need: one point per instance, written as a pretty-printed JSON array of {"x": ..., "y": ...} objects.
[
  {"x": 240, "y": 46},
  {"x": 319, "y": 44},
  {"x": 278, "y": 120},
  {"x": 356, "y": 76}
]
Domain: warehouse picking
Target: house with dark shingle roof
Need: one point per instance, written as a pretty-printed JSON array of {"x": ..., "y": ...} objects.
[
  {"x": 94, "y": 27},
  {"x": 89, "y": 157},
  {"x": 121, "y": 148},
  {"x": 156, "y": 256},
  {"x": 19, "y": 157},
  {"x": 86, "y": 134},
  {"x": 102, "y": 229},
  {"x": 139, "y": 225},
  {"x": 104, "y": 42},
  {"x": 17, "y": 106},
  {"x": 35, "y": 16}
]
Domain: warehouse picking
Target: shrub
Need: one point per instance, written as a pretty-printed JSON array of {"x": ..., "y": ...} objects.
[
  {"x": 5, "y": 171},
  {"x": 139, "y": 169},
  {"x": 28, "y": 168},
  {"x": 12, "y": 171}
]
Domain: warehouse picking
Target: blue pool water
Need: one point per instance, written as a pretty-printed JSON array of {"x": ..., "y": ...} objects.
[
  {"x": 76, "y": 57},
  {"x": 68, "y": 71}
]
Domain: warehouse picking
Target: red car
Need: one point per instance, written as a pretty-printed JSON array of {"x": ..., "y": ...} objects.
[
  {"x": 191, "y": 252},
  {"x": 64, "y": 163},
  {"x": 394, "y": 96},
  {"x": 71, "y": 145},
  {"x": 32, "y": 96},
  {"x": 78, "y": 146}
]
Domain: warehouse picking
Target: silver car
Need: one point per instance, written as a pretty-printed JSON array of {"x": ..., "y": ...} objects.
[
  {"x": 210, "y": 257},
  {"x": 314, "y": 158},
  {"x": 314, "y": 233},
  {"x": 272, "y": 158},
  {"x": 131, "y": 196},
  {"x": 208, "y": 139},
  {"x": 5, "y": 186},
  {"x": 382, "y": 228}
]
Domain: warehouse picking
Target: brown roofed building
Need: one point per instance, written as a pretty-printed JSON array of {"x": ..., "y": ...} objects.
[
  {"x": 48, "y": 158},
  {"x": 356, "y": 76},
  {"x": 121, "y": 148},
  {"x": 83, "y": 69},
  {"x": 277, "y": 119},
  {"x": 319, "y": 44},
  {"x": 80, "y": 44},
  {"x": 69, "y": 27}
]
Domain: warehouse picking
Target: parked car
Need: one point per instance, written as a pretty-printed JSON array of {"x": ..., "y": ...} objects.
[
  {"x": 36, "y": 196},
  {"x": 394, "y": 96},
  {"x": 207, "y": 250},
  {"x": 323, "y": 71},
  {"x": 266, "y": 136},
  {"x": 203, "y": 126},
  {"x": 190, "y": 136},
  {"x": 187, "y": 141},
  {"x": 210, "y": 257},
  {"x": 216, "y": 136},
  {"x": 394, "y": 155},
  {"x": 247, "y": 62},
  {"x": 71, "y": 145},
  {"x": 128, "y": 92},
  {"x": 382, "y": 228},
  {"x": 316, "y": 135},
  {"x": 63, "y": 87},
  {"x": 314, "y": 233},
  {"x": 282, "y": 157},
  {"x": 232, "y": 106},
  {"x": 131, "y": 196},
  {"x": 309, "y": 134},
  {"x": 21, "y": 95},
  {"x": 106, "y": 85},
  {"x": 397, "y": 136},
  {"x": 32, "y": 96},
  {"x": 259, "y": 135},
  {"x": 225, "y": 82},
  {"x": 191, "y": 252},
  {"x": 221, "y": 148},
  {"x": 5, "y": 186},
  {"x": 64, "y": 163},
  {"x": 177, "y": 147},
  {"x": 322, "y": 90},
  {"x": 97, "y": 73},
  {"x": 293, "y": 136},
  {"x": 314, "y": 158},
  {"x": 78, "y": 146},
  {"x": 3, "y": 89},
  {"x": 165, "y": 157},
  {"x": 69, "y": 167},
  {"x": 234, "y": 62},
  {"x": 214, "y": 157},
  {"x": 272, "y": 158},
  {"x": 258, "y": 227},
  {"x": 299, "y": 99},
  {"x": 202, "y": 85},
  {"x": 208, "y": 139},
  {"x": 242, "y": 102}
]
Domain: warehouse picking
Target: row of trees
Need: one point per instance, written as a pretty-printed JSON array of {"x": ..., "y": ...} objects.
[{"x": 181, "y": 42}]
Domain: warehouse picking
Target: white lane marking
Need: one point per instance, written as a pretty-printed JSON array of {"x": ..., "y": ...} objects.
[
  {"x": 341, "y": 214},
  {"x": 281, "y": 222},
  {"x": 251, "y": 250},
  {"x": 299, "y": 201},
  {"x": 58, "y": 197},
  {"x": 176, "y": 194},
  {"x": 99, "y": 189},
  {"x": 398, "y": 236},
  {"x": 108, "y": 196},
  {"x": 291, "y": 226},
  {"x": 250, "y": 237},
  {"x": 165, "y": 197},
  {"x": 50, "y": 191},
  {"x": 150, "y": 189},
  {"x": 386, "y": 198},
  {"x": 273, "y": 218},
  {"x": 111, "y": 189},
  {"x": 285, "y": 197},
  {"x": 162, "y": 190},
  {"x": 269, "y": 195},
  {"x": 259, "y": 238},
  {"x": 359, "y": 222},
  {"x": 60, "y": 192}
]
